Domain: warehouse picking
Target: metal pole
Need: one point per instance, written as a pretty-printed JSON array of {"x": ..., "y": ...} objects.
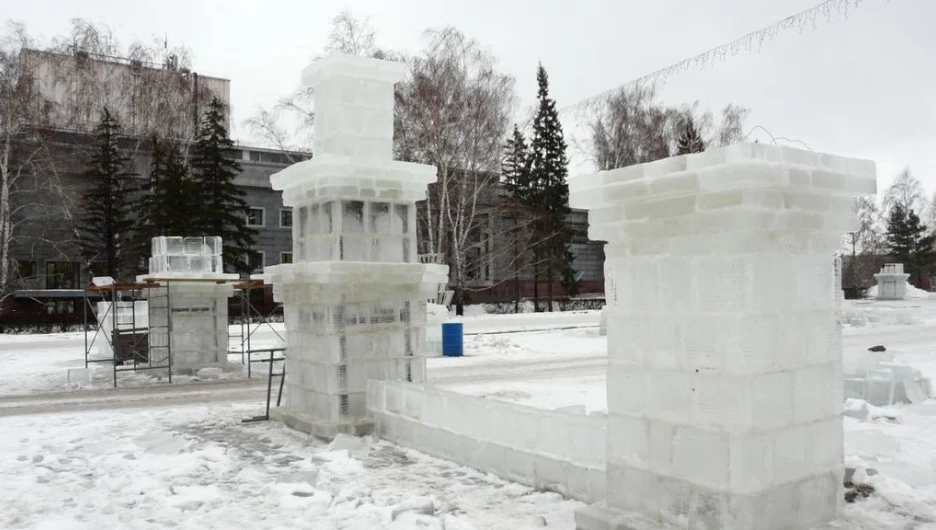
[
  {"x": 249, "y": 306},
  {"x": 269, "y": 386},
  {"x": 279, "y": 396},
  {"x": 84, "y": 311},
  {"x": 169, "y": 330},
  {"x": 113, "y": 334}
]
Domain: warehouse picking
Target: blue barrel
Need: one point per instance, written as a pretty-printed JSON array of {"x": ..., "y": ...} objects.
[{"x": 453, "y": 342}]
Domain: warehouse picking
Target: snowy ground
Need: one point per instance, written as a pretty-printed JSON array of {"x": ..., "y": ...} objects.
[
  {"x": 199, "y": 459},
  {"x": 199, "y": 467}
]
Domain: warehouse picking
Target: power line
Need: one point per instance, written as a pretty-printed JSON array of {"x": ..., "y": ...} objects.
[{"x": 751, "y": 42}]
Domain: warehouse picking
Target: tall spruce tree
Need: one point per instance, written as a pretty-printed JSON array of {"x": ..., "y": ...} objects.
[
  {"x": 515, "y": 171},
  {"x": 689, "y": 141},
  {"x": 549, "y": 168},
  {"x": 105, "y": 227},
  {"x": 169, "y": 196},
  {"x": 909, "y": 243},
  {"x": 221, "y": 210}
]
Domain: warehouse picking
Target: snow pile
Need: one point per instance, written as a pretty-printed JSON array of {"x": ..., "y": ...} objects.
[{"x": 913, "y": 293}]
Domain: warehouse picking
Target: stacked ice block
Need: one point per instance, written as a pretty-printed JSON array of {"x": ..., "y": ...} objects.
[
  {"x": 892, "y": 282},
  {"x": 725, "y": 356},
  {"x": 355, "y": 298},
  {"x": 188, "y": 305},
  {"x": 186, "y": 256}
]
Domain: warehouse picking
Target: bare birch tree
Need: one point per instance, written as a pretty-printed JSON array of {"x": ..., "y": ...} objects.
[
  {"x": 629, "y": 127},
  {"x": 30, "y": 191},
  {"x": 453, "y": 112},
  {"x": 288, "y": 125}
]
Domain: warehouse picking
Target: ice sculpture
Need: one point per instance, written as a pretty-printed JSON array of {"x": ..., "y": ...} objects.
[
  {"x": 355, "y": 298},
  {"x": 191, "y": 313},
  {"x": 725, "y": 357},
  {"x": 892, "y": 282}
]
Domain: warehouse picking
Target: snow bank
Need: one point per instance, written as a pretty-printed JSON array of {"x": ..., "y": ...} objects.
[
  {"x": 549, "y": 450},
  {"x": 913, "y": 293}
]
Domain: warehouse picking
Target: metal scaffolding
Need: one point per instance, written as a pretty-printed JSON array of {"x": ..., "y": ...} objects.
[{"x": 125, "y": 342}]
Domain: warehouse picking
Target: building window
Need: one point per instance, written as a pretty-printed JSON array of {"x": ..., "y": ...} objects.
[
  {"x": 255, "y": 216},
  {"x": 286, "y": 218},
  {"x": 27, "y": 270},
  {"x": 285, "y": 257},
  {"x": 61, "y": 275},
  {"x": 257, "y": 260}
]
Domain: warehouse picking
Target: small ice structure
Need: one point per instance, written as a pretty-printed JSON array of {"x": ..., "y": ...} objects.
[
  {"x": 355, "y": 298},
  {"x": 194, "y": 300},
  {"x": 725, "y": 358},
  {"x": 892, "y": 282},
  {"x": 875, "y": 377},
  {"x": 186, "y": 257}
]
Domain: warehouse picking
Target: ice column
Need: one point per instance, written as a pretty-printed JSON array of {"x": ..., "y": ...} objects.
[
  {"x": 354, "y": 300},
  {"x": 725, "y": 356},
  {"x": 892, "y": 282},
  {"x": 195, "y": 291}
]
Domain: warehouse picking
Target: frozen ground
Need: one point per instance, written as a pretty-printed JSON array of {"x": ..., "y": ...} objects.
[
  {"x": 199, "y": 462},
  {"x": 199, "y": 467}
]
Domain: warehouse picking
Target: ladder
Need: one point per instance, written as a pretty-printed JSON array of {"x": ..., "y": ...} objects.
[{"x": 160, "y": 327}]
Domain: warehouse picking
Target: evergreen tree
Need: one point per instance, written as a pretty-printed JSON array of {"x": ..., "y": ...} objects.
[
  {"x": 516, "y": 166},
  {"x": 549, "y": 191},
  {"x": 168, "y": 197},
  {"x": 515, "y": 171},
  {"x": 105, "y": 226},
  {"x": 909, "y": 242},
  {"x": 689, "y": 141},
  {"x": 221, "y": 210}
]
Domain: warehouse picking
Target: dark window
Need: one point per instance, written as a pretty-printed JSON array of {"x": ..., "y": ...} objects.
[
  {"x": 255, "y": 156},
  {"x": 257, "y": 261},
  {"x": 286, "y": 218},
  {"x": 255, "y": 217},
  {"x": 61, "y": 275},
  {"x": 285, "y": 257},
  {"x": 27, "y": 269}
]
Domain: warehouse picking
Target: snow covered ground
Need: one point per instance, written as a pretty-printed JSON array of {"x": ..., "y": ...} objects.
[
  {"x": 199, "y": 467},
  {"x": 199, "y": 464}
]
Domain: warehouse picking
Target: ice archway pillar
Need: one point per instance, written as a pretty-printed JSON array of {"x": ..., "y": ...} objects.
[{"x": 724, "y": 351}]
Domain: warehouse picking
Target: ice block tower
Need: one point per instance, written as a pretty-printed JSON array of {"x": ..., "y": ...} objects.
[
  {"x": 354, "y": 299},
  {"x": 195, "y": 294},
  {"x": 725, "y": 356}
]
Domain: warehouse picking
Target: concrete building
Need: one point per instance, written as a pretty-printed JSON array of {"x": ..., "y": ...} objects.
[{"x": 166, "y": 100}]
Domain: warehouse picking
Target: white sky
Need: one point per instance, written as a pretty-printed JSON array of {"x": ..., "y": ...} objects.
[{"x": 865, "y": 86}]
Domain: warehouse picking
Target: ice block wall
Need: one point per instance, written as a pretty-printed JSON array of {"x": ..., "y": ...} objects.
[
  {"x": 355, "y": 298},
  {"x": 725, "y": 356}
]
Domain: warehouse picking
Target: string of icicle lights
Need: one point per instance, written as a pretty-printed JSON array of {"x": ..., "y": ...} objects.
[{"x": 751, "y": 43}]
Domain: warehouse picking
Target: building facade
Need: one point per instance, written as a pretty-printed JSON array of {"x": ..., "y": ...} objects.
[{"x": 165, "y": 100}]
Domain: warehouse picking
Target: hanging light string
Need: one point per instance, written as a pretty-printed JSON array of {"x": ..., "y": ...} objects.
[{"x": 751, "y": 42}]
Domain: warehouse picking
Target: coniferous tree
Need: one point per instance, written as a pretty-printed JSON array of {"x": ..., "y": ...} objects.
[
  {"x": 221, "y": 210},
  {"x": 909, "y": 243},
  {"x": 105, "y": 228},
  {"x": 689, "y": 141},
  {"x": 549, "y": 168},
  {"x": 168, "y": 198},
  {"x": 515, "y": 170}
]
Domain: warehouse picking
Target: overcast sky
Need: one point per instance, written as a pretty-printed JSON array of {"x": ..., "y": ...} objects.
[{"x": 863, "y": 86}]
